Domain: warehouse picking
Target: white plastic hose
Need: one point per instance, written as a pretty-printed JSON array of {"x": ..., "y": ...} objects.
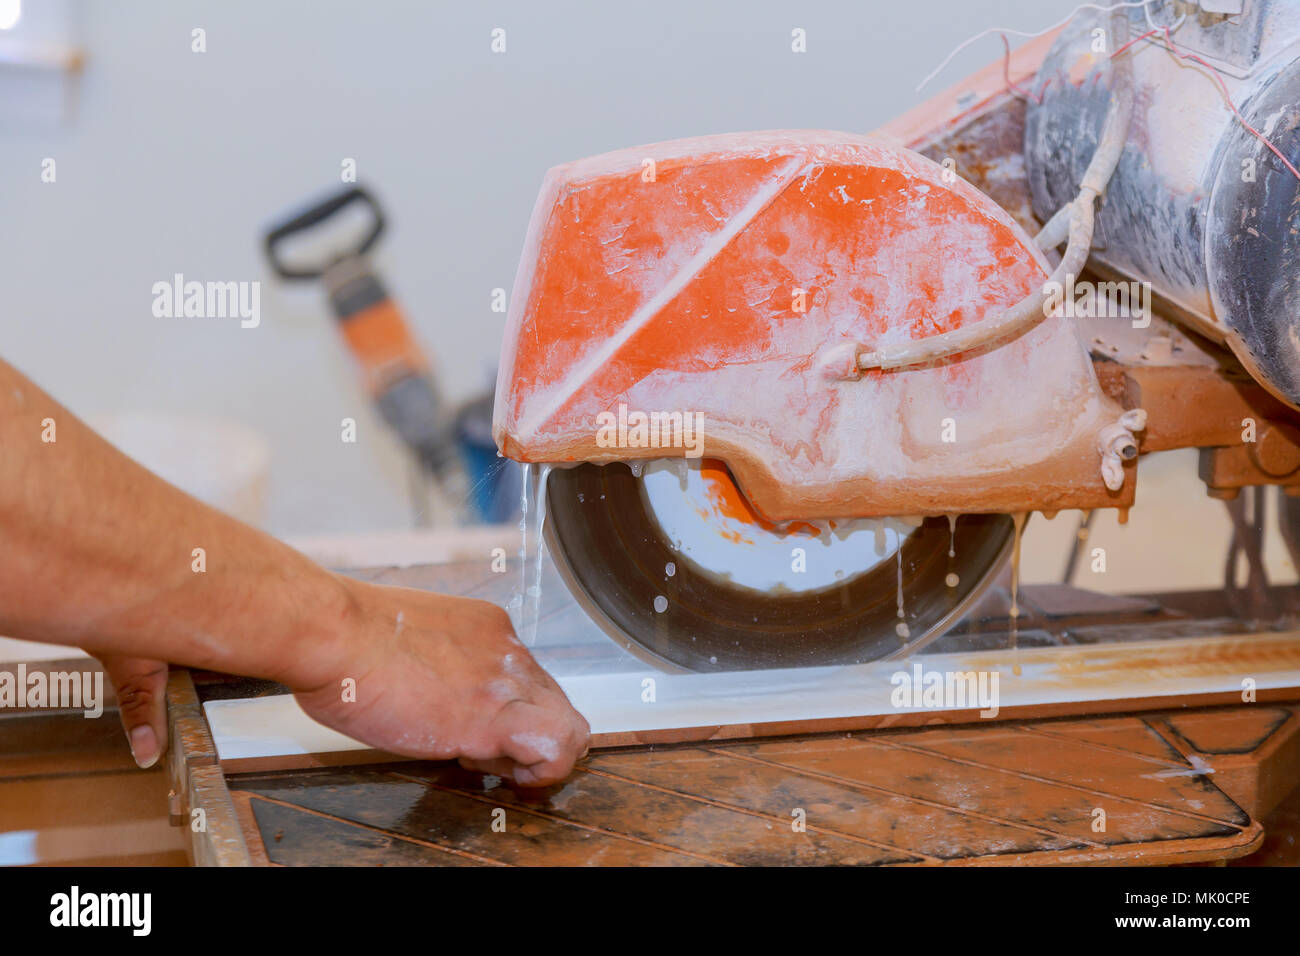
[{"x": 1079, "y": 214}]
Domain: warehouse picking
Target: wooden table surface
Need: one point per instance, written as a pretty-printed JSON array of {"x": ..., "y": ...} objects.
[{"x": 1138, "y": 789}]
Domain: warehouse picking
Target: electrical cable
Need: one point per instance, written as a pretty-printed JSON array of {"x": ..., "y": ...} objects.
[
  {"x": 1029, "y": 36},
  {"x": 1081, "y": 214}
]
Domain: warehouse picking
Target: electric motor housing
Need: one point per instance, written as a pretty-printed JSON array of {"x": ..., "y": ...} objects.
[{"x": 1198, "y": 206}]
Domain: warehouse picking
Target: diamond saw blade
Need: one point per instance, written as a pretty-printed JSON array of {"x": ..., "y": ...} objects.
[{"x": 675, "y": 566}]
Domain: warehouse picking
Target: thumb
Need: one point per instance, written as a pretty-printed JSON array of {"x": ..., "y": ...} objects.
[{"x": 141, "y": 687}]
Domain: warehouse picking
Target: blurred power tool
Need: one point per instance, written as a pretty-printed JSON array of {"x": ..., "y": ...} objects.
[{"x": 395, "y": 369}]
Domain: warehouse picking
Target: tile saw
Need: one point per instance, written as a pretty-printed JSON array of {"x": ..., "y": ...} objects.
[{"x": 797, "y": 390}]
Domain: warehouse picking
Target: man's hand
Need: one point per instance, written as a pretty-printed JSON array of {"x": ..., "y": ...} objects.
[
  {"x": 432, "y": 676},
  {"x": 441, "y": 677},
  {"x": 100, "y": 554}
]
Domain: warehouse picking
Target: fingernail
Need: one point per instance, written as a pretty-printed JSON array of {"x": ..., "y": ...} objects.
[{"x": 144, "y": 746}]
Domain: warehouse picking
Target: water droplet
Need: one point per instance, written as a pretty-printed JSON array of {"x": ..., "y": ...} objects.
[
  {"x": 902, "y": 629},
  {"x": 713, "y": 660},
  {"x": 952, "y": 580},
  {"x": 661, "y": 604},
  {"x": 670, "y": 569}
]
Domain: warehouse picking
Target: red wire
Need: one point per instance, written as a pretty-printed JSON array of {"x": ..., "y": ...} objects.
[
  {"x": 1006, "y": 72},
  {"x": 1131, "y": 42}
]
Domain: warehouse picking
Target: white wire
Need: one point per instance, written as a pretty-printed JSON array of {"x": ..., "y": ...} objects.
[
  {"x": 991, "y": 30},
  {"x": 1220, "y": 66},
  {"x": 1146, "y": 11}
]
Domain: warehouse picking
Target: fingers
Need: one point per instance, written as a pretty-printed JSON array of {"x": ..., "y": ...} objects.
[
  {"x": 528, "y": 763},
  {"x": 141, "y": 687},
  {"x": 447, "y": 677},
  {"x": 544, "y": 742},
  {"x": 539, "y": 736}
]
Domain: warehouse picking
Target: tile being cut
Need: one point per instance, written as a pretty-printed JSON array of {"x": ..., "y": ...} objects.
[{"x": 642, "y": 704}]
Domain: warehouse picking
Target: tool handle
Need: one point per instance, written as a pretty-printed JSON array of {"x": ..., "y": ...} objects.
[
  {"x": 395, "y": 369},
  {"x": 314, "y": 216}
]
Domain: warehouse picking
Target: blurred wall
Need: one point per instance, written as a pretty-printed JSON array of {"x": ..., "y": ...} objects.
[{"x": 173, "y": 161}]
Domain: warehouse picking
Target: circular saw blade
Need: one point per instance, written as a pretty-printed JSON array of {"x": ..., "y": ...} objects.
[{"x": 723, "y": 590}]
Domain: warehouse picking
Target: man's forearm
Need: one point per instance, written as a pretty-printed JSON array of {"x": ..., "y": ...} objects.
[{"x": 97, "y": 552}]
